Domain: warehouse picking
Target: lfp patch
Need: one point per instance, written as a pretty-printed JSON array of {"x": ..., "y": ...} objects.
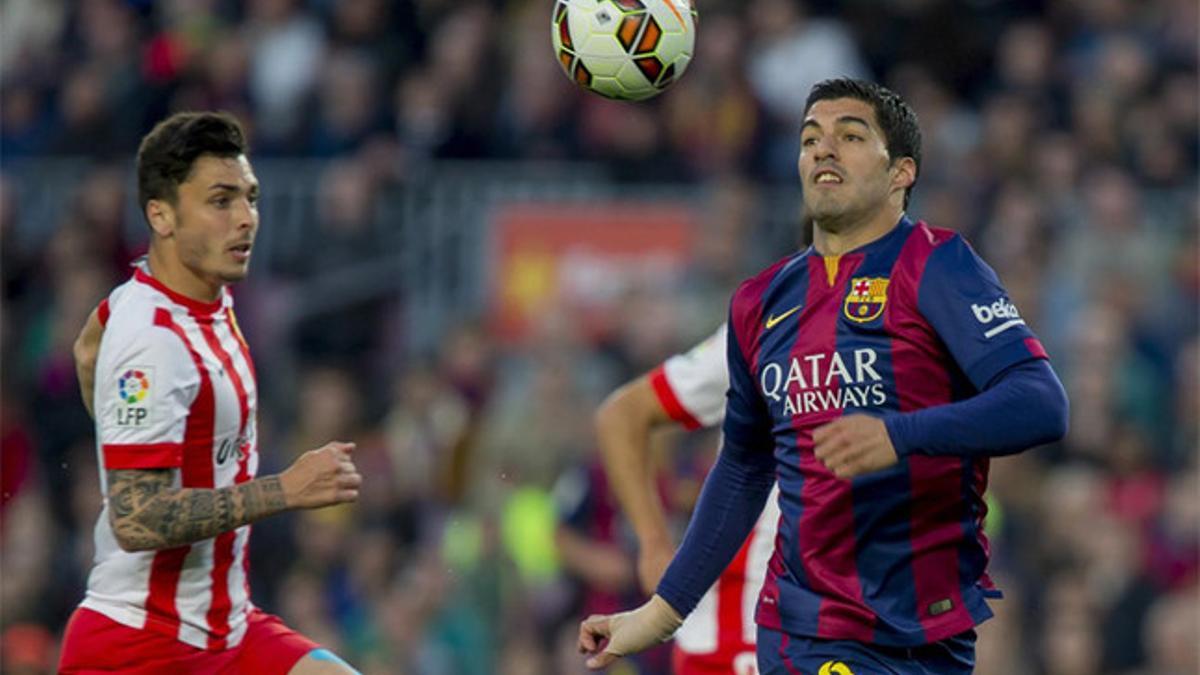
[
  {"x": 866, "y": 299},
  {"x": 133, "y": 385},
  {"x": 133, "y": 388}
]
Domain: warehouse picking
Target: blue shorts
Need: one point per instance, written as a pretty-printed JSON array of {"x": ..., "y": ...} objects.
[{"x": 784, "y": 654}]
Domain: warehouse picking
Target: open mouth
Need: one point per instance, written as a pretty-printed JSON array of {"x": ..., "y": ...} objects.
[
  {"x": 827, "y": 177},
  {"x": 241, "y": 252}
]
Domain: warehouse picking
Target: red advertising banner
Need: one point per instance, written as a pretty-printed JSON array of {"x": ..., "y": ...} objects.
[{"x": 581, "y": 258}]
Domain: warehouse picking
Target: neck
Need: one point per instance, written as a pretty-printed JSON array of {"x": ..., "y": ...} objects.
[
  {"x": 834, "y": 239},
  {"x": 173, "y": 274}
]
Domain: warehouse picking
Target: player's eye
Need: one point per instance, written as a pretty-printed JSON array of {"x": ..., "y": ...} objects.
[
  {"x": 853, "y": 137},
  {"x": 253, "y": 198},
  {"x": 221, "y": 202},
  {"x": 808, "y": 142}
]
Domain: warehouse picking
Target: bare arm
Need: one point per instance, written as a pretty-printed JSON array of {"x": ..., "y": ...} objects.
[
  {"x": 623, "y": 425},
  {"x": 600, "y": 565},
  {"x": 85, "y": 350},
  {"x": 147, "y": 513}
]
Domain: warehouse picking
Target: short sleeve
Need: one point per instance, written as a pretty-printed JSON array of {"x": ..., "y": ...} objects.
[
  {"x": 145, "y": 384},
  {"x": 691, "y": 386},
  {"x": 962, "y": 298}
]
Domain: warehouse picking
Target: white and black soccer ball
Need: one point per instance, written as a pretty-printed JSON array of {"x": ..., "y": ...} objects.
[{"x": 624, "y": 49}]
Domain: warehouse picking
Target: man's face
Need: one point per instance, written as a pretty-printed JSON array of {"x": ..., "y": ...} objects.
[
  {"x": 217, "y": 218},
  {"x": 845, "y": 173}
]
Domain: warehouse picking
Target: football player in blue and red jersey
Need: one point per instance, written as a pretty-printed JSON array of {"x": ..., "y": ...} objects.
[{"x": 874, "y": 374}]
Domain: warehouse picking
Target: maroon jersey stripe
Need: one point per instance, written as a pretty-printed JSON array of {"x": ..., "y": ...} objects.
[{"x": 922, "y": 368}]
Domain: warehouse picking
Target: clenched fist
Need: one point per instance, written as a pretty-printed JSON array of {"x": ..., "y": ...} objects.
[
  {"x": 607, "y": 637},
  {"x": 853, "y": 445},
  {"x": 321, "y": 477}
]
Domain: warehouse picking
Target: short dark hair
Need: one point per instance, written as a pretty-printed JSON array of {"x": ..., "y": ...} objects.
[
  {"x": 167, "y": 153},
  {"x": 901, "y": 131}
]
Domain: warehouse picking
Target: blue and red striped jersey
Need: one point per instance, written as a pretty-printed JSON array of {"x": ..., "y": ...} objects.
[{"x": 912, "y": 320}]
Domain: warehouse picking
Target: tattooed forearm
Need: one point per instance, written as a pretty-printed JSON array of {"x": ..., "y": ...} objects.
[{"x": 148, "y": 514}]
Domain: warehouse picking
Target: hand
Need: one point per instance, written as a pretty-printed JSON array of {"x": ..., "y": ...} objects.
[
  {"x": 628, "y": 632},
  {"x": 853, "y": 445},
  {"x": 321, "y": 477},
  {"x": 652, "y": 563}
]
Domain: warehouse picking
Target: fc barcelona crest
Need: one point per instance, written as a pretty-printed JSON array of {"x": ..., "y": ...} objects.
[{"x": 866, "y": 299}]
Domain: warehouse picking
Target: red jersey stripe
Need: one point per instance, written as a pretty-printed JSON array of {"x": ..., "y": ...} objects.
[
  {"x": 197, "y": 471},
  {"x": 142, "y": 455},
  {"x": 103, "y": 312},
  {"x": 669, "y": 401},
  {"x": 223, "y": 555},
  {"x": 192, "y": 305},
  {"x": 1035, "y": 348}
]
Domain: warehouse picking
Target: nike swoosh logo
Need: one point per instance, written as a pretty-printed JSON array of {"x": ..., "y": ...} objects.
[{"x": 773, "y": 320}]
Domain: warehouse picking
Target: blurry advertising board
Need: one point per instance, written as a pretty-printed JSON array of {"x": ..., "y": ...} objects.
[{"x": 579, "y": 259}]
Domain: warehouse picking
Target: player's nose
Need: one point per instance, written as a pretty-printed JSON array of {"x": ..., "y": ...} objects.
[
  {"x": 247, "y": 216},
  {"x": 825, "y": 148}
]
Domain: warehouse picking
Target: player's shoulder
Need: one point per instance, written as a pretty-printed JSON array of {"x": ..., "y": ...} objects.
[
  {"x": 937, "y": 236},
  {"x": 751, "y": 291},
  {"x": 708, "y": 354},
  {"x": 925, "y": 239},
  {"x": 746, "y": 308},
  {"x": 135, "y": 319},
  {"x": 939, "y": 250},
  {"x": 949, "y": 258},
  {"x": 130, "y": 309}
]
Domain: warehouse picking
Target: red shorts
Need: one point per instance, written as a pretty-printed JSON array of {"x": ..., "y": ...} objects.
[
  {"x": 95, "y": 643},
  {"x": 730, "y": 660}
]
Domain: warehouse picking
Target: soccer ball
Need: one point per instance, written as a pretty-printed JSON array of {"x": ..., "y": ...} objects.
[{"x": 624, "y": 49}]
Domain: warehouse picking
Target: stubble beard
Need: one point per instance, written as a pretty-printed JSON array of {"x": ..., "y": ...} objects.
[
  {"x": 831, "y": 215},
  {"x": 233, "y": 275}
]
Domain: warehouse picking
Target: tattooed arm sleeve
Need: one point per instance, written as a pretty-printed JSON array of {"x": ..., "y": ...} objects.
[{"x": 147, "y": 513}]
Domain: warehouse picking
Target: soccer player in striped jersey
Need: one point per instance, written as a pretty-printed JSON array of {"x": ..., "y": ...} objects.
[
  {"x": 687, "y": 390},
  {"x": 175, "y": 402},
  {"x": 873, "y": 374}
]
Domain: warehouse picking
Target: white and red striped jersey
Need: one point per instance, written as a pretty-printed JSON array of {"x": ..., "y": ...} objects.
[
  {"x": 691, "y": 388},
  {"x": 175, "y": 389}
]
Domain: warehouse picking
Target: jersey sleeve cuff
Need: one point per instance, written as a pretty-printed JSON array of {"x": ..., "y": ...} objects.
[
  {"x": 142, "y": 455},
  {"x": 898, "y": 432},
  {"x": 669, "y": 401},
  {"x": 1003, "y": 358}
]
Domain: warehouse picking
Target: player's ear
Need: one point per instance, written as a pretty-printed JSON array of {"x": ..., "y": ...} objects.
[
  {"x": 161, "y": 217},
  {"x": 904, "y": 173}
]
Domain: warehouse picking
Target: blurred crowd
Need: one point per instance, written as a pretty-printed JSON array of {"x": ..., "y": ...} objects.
[{"x": 1061, "y": 137}]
